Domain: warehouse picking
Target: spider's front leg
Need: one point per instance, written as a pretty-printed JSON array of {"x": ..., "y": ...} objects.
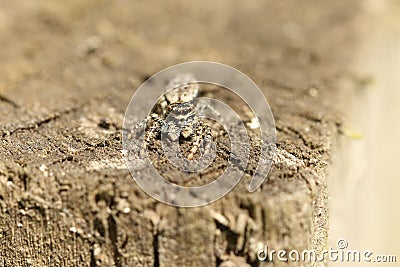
[
  {"x": 171, "y": 130},
  {"x": 141, "y": 134},
  {"x": 153, "y": 129},
  {"x": 202, "y": 139}
]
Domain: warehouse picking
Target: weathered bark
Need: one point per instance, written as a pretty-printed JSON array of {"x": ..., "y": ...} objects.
[{"x": 66, "y": 196}]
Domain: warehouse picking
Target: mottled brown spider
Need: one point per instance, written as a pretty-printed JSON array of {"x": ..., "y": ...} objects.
[{"x": 174, "y": 116}]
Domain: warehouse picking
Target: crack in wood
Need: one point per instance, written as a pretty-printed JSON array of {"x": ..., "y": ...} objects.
[
  {"x": 39, "y": 123},
  {"x": 9, "y": 101}
]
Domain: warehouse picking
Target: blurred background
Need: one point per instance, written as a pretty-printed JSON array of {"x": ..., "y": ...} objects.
[{"x": 365, "y": 183}]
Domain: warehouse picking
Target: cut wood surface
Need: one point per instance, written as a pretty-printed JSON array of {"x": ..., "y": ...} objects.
[{"x": 67, "y": 73}]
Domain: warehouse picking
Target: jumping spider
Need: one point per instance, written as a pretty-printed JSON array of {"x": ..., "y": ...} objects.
[{"x": 174, "y": 116}]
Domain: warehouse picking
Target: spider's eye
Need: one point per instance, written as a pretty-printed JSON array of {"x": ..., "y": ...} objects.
[{"x": 185, "y": 111}]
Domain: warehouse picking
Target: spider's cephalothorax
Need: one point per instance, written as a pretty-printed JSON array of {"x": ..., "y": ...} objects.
[
  {"x": 181, "y": 112},
  {"x": 183, "y": 88}
]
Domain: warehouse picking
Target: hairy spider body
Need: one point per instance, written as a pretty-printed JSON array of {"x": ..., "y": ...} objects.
[{"x": 174, "y": 116}]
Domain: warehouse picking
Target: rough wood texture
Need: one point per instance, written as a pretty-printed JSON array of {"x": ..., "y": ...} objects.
[{"x": 67, "y": 73}]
